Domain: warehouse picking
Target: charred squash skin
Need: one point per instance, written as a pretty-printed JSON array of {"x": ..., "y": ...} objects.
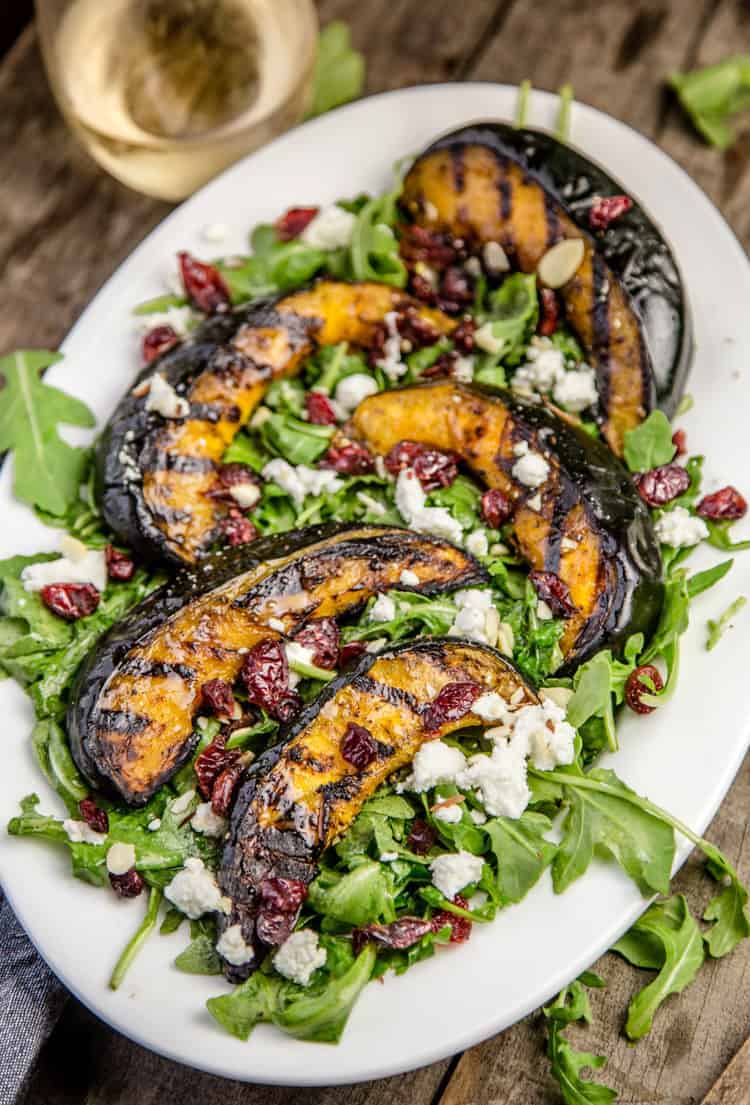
[
  {"x": 130, "y": 721},
  {"x": 301, "y": 795},
  {"x": 588, "y": 524},
  {"x": 156, "y": 476},
  {"x": 473, "y": 184}
]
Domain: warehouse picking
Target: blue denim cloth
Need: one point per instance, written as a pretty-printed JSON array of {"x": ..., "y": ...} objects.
[{"x": 31, "y": 1000}]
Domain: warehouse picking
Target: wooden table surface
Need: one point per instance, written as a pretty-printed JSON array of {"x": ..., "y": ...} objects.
[{"x": 65, "y": 227}]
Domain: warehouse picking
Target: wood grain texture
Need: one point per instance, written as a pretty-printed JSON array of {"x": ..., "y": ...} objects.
[{"x": 66, "y": 227}]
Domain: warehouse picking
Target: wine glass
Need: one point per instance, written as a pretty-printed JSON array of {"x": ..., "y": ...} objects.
[{"x": 164, "y": 94}]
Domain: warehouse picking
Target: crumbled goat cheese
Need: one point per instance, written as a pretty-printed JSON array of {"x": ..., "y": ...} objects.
[
  {"x": 388, "y": 857},
  {"x": 543, "y": 368},
  {"x": 277, "y": 624},
  {"x": 463, "y": 370},
  {"x": 576, "y": 390},
  {"x": 543, "y": 734},
  {"x": 352, "y": 390},
  {"x": 383, "y": 609},
  {"x": 409, "y": 578},
  {"x": 531, "y": 469},
  {"x": 194, "y": 891},
  {"x": 435, "y": 520},
  {"x": 180, "y": 319},
  {"x": 478, "y": 899},
  {"x": 499, "y": 779},
  {"x": 232, "y": 947},
  {"x": 476, "y": 543},
  {"x": 120, "y": 858},
  {"x": 478, "y": 817},
  {"x": 300, "y": 956},
  {"x": 245, "y": 495},
  {"x": 80, "y": 833},
  {"x": 486, "y": 340},
  {"x": 535, "y": 502},
  {"x": 373, "y": 505},
  {"x": 205, "y": 821},
  {"x": 214, "y": 232},
  {"x": 473, "y": 266},
  {"x": 376, "y": 644},
  {"x": 90, "y": 567},
  {"x": 451, "y": 873},
  {"x": 680, "y": 529},
  {"x": 163, "y": 399},
  {"x": 491, "y": 706},
  {"x": 154, "y": 825},
  {"x": 476, "y": 618},
  {"x": 435, "y": 762},
  {"x": 332, "y": 228},
  {"x": 300, "y": 481},
  {"x": 451, "y": 815},
  {"x": 391, "y": 362},
  {"x": 261, "y": 415},
  {"x": 181, "y": 804}
]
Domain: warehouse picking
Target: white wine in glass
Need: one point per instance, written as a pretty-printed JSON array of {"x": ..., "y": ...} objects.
[{"x": 166, "y": 93}]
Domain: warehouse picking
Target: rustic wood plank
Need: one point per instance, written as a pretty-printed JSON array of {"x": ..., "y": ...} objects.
[{"x": 732, "y": 1086}]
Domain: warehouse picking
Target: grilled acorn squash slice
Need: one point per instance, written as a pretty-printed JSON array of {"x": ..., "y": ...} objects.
[
  {"x": 131, "y": 716},
  {"x": 586, "y": 522},
  {"x": 479, "y": 184},
  {"x": 301, "y": 795},
  {"x": 156, "y": 476}
]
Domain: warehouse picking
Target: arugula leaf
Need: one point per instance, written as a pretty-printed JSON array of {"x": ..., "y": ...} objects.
[
  {"x": 134, "y": 945},
  {"x": 339, "y": 70},
  {"x": 512, "y": 313},
  {"x": 374, "y": 246},
  {"x": 610, "y": 818},
  {"x": 570, "y": 1006},
  {"x": 650, "y": 444},
  {"x": 53, "y": 754},
  {"x": 717, "y": 629},
  {"x": 331, "y": 364},
  {"x": 701, "y": 581},
  {"x": 713, "y": 95},
  {"x": 47, "y": 471},
  {"x": 199, "y": 957},
  {"x": 718, "y": 536},
  {"x": 673, "y": 941},
  {"x": 358, "y": 898},
  {"x": 296, "y": 441},
  {"x": 520, "y": 851},
  {"x": 728, "y": 909}
]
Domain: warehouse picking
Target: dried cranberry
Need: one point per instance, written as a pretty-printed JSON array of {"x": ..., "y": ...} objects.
[
  {"x": 433, "y": 467},
  {"x": 293, "y": 222},
  {"x": 456, "y": 290},
  {"x": 204, "y": 285},
  {"x": 637, "y": 686},
  {"x": 423, "y": 290},
  {"x": 274, "y": 928},
  {"x": 661, "y": 485},
  {"x": 445, "y": 365},
  {"x": 428, "y": 246},
  {"x": 679, "y": 440},
  {"x": 225, "y": 785},
  {"x": 549, "y": 312},
  {"x": 94, "y": 816},
  {"x": 210, "y": 763},
  {"x": 421, "y": 838},
  {"x": 349, "y": 458},
  {"x": 556, "y": 593},
  {"x": 358, "y": 746},
  {"x": 463, "y": 336},
  {"x": 460, "y": 926},
  {"x": 237, "y": 529},
  {"x": 282, "y": 895},
  {"x": 217, "y": 696},
  {"x": 416, "y": 329},
  {"x": 265, "y": 673},
  {"x": 323, "y": 637},
  {"x": 351, "y": 652},
  {"x": 319, "y": 409},
  {"x": 606, "y": 209},
  {"x": 70, "y": 600},
  {"x": 128, "y": 885},
  {"x": 119, "y": 565},
  {"x": 451, "y": 703},
  {"x": 496, "y": 508},
  {"x": 235, "y": 474},
  {"x": 400, "y": 934},
  {"x": 158, "y": 341},
  {"x": 727, "y": 503}
]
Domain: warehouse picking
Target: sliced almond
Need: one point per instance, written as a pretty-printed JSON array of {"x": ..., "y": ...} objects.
[
  {"x": 120, "y": 858},
  {"x": 505, "y": 639},
  {"x": 444, "y": 803},
  {"x": 495, "y": 258},
  {"x": 560, "y": 263},
  {"x": 73, "y": 549},
  {"x": 561, "y": 696}
]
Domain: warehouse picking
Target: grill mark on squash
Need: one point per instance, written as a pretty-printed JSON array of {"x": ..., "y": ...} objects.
[
  {"x": 394, "y": 696},
  {"x": 138, "y": 667},
  {"x": 121, "y": 722}
]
